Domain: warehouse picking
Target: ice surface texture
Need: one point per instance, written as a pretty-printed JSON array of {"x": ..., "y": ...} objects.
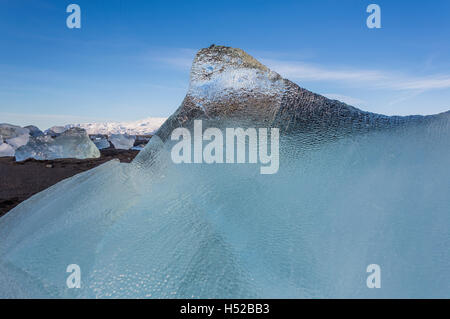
[
  {"x": 55, "y": 131},
  {"x": 72, "y": 143},
  {"x": 352, "y": 190},
  {"x": 100, "y": 141},
  {"x": 34, "y": 130},
  {"x": 122, "y": 141},
  {"x": 6, "y": 149},
  {"x": 13, "y": 135}
]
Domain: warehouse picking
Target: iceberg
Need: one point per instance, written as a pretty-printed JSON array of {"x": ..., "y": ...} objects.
[
  {"x": 122, "y": 141},
  {"x": 15, "y": 136},
  {"x": 353, "y": 189},
  {"x": 72, "y": 143},
  {"x": 6, "y": 149},
  {"x": 34, "y": 130},
  {"x": 100, "y": 141}
]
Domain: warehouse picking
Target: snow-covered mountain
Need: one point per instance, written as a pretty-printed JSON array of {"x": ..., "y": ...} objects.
[{"x": 140, "y": 127}]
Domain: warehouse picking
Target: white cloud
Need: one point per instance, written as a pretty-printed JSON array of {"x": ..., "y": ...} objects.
[
  {"x": 358, "y": 77},
  {"x": 178, "y": 58},
  {"x": 347, "y": 76},
  {"x": 179, "y": 62},
  {"x": 428, "y": 83},
  {"x": 310, "y": 72}
]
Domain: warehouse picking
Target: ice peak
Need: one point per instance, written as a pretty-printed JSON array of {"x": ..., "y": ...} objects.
[
  {"x": 227, "y": 56},
  {"x": 219, "y": 71}
]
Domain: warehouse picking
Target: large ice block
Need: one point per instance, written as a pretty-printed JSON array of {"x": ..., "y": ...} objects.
[
  {"x": 34, "y": 130},
  {"x": 72, "y": 143},
  {"x": 122, "y": 141},
  {"x": 15, "y": 136},
  {"x": 100, "y": 141},
  {"x": 353, "y": 189},
  {"x": 6, "y": 149}
]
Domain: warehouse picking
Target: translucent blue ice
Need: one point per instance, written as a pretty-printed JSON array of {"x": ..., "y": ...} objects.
[{"x": 160, "y": 230}]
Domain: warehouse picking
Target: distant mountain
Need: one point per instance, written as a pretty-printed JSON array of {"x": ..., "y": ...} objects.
[{"x": 142, "y": 127}]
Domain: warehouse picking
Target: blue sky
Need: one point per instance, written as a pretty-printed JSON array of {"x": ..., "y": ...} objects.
[{"x": 130, "y": 59}]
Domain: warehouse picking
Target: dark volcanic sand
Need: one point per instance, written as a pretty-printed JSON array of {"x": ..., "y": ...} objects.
[{"x": 21, "y": 180}]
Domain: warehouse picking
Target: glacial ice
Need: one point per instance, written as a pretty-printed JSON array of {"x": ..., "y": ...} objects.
[
  {"x": 72, "y": 143},
  {"x": 34, "y": 130},
  {"x": 122, "y": 141},
  {"x": 353, "y": 189},
  {"x": 15, "y": 136},
  {"x": 160, "y": 230},
  {"x": 55, "y": 131},
  {"x": 100, "y": 141},
  {"x": 138, "y": 147},
  {"x": 6, "y": 149}
]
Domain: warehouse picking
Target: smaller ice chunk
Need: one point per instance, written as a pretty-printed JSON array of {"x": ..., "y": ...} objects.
[
  {"x": 18, "y": 141},
  {"x": 122, "y": 141},
  {"x": 100, "y": 141},
  {"x": 142, "y": 139},
  {"x": 15, "y": 136},
  {"x": 6, "y": 149},
  {"x": 73, "y": 143},
  {"x": 139, "y": 147},
  {"x": 34, "y": 130}
]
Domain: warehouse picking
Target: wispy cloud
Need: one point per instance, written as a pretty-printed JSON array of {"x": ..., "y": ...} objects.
[
  {"x": 179, "y": 58},
  {"x": 179, "y": 62},
  {"x": 399, "y": 85},
  {"x": 405, "y": 96},
  {"x": 310, "y": 72},
  {"x": 352, "y": 77},
  {"x": 346, "y": 76},
  {"x": 426, "y": 83}
]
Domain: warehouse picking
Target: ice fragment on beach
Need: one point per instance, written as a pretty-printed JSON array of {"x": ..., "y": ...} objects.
[
  {"x": 122, "y": 141},
  {"x": 34, "y": 130},
  {"x": 15, "y": 136},
  {"x": 73, "y": 143},
  {"x": 100, "y": 141},
  {"x": 6, "y": 149}
]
